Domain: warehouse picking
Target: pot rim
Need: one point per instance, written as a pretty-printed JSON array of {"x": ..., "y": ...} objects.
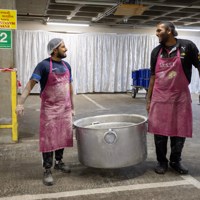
[{"x": 75, "y": 123}]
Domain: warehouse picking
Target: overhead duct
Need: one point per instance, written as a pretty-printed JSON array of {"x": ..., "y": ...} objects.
[{"x": 130, "y": 9}]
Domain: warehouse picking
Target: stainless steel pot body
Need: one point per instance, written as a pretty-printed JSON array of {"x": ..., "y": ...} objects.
[{"x": 111, "y": 141}]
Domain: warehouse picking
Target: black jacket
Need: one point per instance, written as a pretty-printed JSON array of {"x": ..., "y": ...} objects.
[{"x": 189, "y": 56}]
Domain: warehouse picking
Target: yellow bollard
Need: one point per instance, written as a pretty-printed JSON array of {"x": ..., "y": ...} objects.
[
  {"x": 14, "y": 125},
  {"x": 14, "y": 104}
]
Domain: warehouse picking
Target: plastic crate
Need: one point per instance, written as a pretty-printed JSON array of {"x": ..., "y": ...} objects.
[
  {"x": 135, "y": 82},
  {"x": 146, "y": 82},
  {"x": 144, "y": 73},
  {"x": 135, "y": 74},
  {"x": 140, "y": 82}
]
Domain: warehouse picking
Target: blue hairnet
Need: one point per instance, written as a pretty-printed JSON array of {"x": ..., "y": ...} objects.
[{"x": 53, "y": 43}]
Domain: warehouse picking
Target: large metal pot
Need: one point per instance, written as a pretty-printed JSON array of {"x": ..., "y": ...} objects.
[{"x": 111, "y": 141}]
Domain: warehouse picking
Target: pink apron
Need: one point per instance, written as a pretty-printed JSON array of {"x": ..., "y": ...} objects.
[
  {"x": 56, "y": 115},
  {"x": 170, "y": 109}
]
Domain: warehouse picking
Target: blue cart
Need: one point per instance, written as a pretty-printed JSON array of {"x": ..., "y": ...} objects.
[{"x": 140, "y": 80}]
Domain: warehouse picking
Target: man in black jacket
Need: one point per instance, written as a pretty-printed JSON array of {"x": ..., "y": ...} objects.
[{"x": 168, "y": 98}]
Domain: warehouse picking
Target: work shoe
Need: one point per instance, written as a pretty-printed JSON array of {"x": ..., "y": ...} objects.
[
  {"x": 161, "y": 168},
  {"x": 62, "y": 167},
  {"x": 178, "y": 167},
  {"x": 47, "y": 178}
]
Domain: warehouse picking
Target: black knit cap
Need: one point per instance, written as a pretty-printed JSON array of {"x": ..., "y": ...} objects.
[{"x": 171, "y": 27}]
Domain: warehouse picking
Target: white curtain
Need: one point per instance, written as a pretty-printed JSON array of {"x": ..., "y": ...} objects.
[{"x": 100, "y": 62}]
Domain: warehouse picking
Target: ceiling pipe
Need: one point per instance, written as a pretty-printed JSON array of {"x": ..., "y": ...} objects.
[
  {"x": 65, "y": 24},
  {"x": 88, "y": 2},
  {"x": 106, "y": 13}
]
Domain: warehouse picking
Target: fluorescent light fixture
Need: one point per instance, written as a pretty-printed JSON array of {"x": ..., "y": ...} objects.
[
  {"x": 88, "y": 2},
  {"x": 77, "y": 32},
  {"x": 187, "y": 29},
  {"x": 66, "y": 24}
]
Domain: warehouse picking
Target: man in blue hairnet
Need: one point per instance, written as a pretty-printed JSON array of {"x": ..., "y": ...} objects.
[{"x": 57, "y": 107}]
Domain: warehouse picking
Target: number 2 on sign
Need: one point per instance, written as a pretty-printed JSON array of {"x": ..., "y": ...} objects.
[{"x": 3, "y": 37}]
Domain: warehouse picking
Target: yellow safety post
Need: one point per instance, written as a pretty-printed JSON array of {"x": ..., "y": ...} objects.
[
  {"x": 14, "y": 124},
  {"x": 14, "y": 104}
]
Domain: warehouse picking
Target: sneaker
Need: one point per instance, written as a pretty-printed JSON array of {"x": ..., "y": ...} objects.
[
  {"x": 62, "y": 167},
  {"x": 47, "y": 178},
  {"x": 178, "y": 167},
  {"x": 161, "y": 168}
]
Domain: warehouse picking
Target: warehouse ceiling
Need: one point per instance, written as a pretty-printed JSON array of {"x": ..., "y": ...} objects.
[{"x": 111, "y": 13}]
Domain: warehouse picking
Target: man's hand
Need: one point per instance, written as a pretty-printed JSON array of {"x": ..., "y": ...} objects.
[
  {"x": 20, "y": 109},
  {"x": 148, "y": 106},
  {"x": 73, "y": 112}
]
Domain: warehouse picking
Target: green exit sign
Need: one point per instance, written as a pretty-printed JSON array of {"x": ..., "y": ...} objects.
[{"x": 5, "y": 39}]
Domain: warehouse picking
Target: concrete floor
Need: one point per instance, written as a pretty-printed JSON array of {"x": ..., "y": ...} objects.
[{"x": 21, "y": 164}]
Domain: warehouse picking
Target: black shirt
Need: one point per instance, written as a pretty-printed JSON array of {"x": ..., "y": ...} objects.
[
  {"x": 41, "y": 71},
  {"x": 189, "y": 56}
]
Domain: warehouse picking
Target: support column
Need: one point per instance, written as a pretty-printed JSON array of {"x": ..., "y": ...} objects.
[{"x": 6, "y": 61}]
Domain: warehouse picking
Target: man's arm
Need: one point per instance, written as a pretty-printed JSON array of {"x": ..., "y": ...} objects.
[
  {"x": 199, "y": 71},
  {"x": 195, "y": 56},
  {"x": 150, "y": 90},
  {"x": 23, "y": 97},
  {"x": 198, "y": 67},
  {"x": 72, "y": 98}
]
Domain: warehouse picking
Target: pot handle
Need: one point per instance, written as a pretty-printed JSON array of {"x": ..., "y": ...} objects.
[{"x": 110, "y": 137}]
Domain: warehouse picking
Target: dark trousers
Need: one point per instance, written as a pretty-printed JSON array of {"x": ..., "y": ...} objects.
[
  {"x": 176, "y": 144},
  {"x": 48, "y": 158}
]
